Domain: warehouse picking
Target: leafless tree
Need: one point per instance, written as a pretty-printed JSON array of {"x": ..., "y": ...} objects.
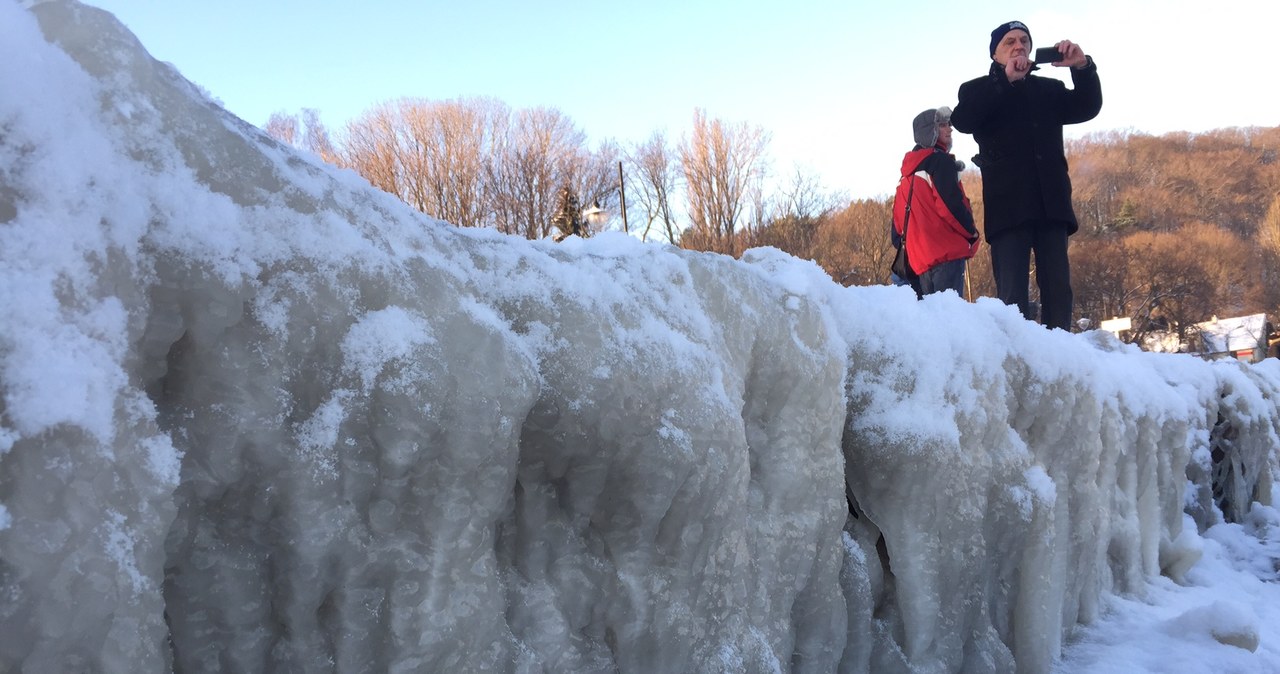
[
  {"x": 371, "y": 148},
  {"x": 653, "y": 182},
  {"x": 796, "y": 213},
  {"x": 1168, "y": 283},
  {"x": 853, "y": 243},
  {"x": 415, "y": 148},
  {"x": 594, "y": 176},
  {"x": 305, "y": 132},
  {"x": 542, "y": 151},
  {"x": 1269, "y": 228},
  {"x": 474, "y": 162},
  {"x": 1269, "y": 238},
  {"x": 803, "y": 197},
  {"x": 282, "y": 126},
  {"x": 442, "y": 147},
  {"x": 316, "y": 138},
  {"x": 1099, "y": 274},
  {"x": 722, "y": 164},
  {"x": 757, "y": 213},
  {"x": 528, "y": 167}
]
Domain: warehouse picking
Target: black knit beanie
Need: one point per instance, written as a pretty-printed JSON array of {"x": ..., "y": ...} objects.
[{"x": 999, "y": 32}]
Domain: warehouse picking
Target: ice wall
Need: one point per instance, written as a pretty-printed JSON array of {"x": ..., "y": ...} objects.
[
  {"x": 1005, "y": 478},
  {"x": 258, "y": 416}
]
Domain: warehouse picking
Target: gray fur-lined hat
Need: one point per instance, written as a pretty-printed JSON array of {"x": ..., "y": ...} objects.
[{"x": 925, "y": 126}]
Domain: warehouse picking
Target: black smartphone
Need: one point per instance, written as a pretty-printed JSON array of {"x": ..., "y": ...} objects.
[{"x": 1048, "y": 55}]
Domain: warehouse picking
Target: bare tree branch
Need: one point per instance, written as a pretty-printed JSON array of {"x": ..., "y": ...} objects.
[{"x": 722, "y": 164}]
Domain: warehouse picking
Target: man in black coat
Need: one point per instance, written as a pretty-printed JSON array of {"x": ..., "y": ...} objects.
[{"x": 1017, "y": 118}]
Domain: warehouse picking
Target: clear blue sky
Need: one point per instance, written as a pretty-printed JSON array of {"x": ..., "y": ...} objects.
[{"x": 835, "y": 83}]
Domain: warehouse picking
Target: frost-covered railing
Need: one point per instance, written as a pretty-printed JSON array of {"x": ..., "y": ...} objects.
[{"x": 258, "y": 416}]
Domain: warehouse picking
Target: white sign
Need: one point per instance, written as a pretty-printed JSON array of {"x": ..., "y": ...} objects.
[{"x": 1116, "y": 325}]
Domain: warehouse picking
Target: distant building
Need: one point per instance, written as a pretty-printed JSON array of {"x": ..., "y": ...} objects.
[{"x": 1243, "y": 338}]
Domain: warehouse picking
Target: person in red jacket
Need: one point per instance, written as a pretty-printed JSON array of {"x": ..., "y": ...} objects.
[{"x": 941, "y": 236}]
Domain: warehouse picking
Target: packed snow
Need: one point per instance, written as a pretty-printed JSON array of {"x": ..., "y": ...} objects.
[{"x": 258, "y": 416}]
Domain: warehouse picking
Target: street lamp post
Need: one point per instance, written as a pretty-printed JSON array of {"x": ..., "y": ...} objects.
[
  {"x": 595, "y": 215},
  {"x": 570, "y": 221}
]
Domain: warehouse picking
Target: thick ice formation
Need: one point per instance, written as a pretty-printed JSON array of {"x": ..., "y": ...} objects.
[{"x": 258, "y": 416}]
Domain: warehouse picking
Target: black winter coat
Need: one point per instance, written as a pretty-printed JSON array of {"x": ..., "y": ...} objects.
[{"x": 1018, "y": 128}]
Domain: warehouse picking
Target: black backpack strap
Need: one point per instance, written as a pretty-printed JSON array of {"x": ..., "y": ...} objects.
[{"x": 906, "y": 216}]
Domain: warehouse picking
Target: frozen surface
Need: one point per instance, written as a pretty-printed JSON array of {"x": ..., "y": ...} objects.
[{"x": 258, "y": 416}]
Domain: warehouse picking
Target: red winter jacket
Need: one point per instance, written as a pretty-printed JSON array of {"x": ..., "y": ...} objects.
[{"x": 941, "y": 227}]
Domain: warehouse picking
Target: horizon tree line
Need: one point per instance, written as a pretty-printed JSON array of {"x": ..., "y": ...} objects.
[{"x": 476, "y": 162}]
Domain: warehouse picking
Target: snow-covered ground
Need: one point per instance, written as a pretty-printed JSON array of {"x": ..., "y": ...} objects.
[
  {"x": 1232, "y": 591},
  {"x": 259, "y": 416}
]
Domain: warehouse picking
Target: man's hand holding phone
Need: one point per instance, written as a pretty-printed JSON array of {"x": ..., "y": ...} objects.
[{"x": 1066, "y": 53}]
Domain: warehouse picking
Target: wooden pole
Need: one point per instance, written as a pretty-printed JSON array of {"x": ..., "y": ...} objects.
[
  {"x": 622, "y": 191},
  {"x": 968, "y": 283}
]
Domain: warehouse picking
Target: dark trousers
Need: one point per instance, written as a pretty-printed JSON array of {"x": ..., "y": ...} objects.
[
  {"x": 944, "y": 276},
  {"x": 1011, "y": 264}
]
